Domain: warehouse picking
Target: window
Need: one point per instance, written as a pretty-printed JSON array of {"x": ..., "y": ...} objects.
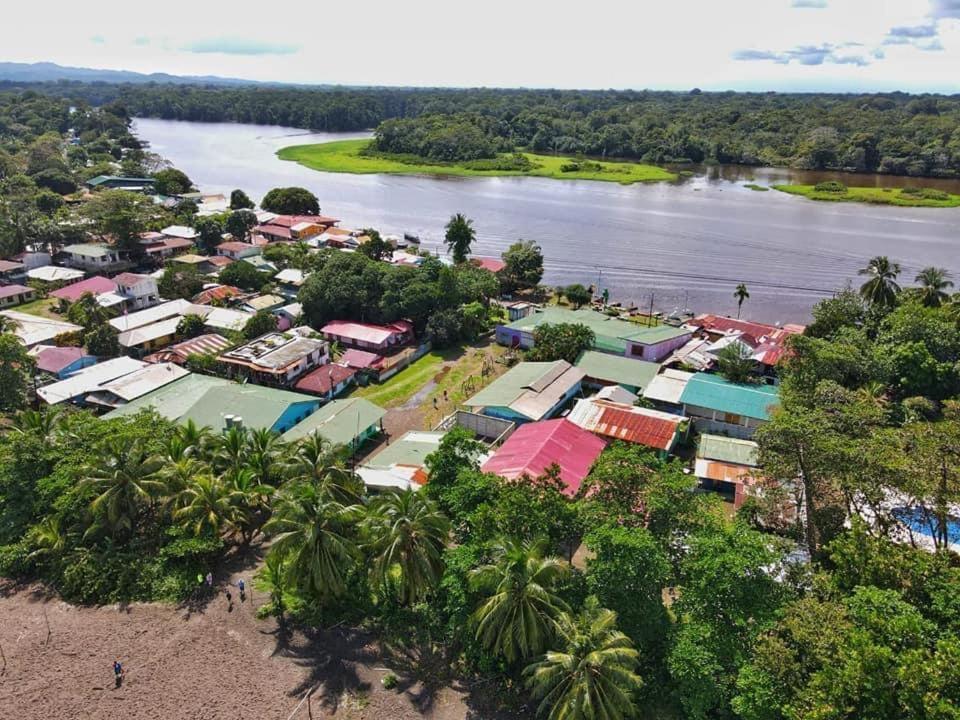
[
  {"x": 636, "y": 350},
  {"x": 732, "y": 418}
]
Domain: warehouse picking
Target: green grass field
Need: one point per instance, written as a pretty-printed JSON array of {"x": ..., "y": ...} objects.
[
  {"x": 875, "y": 196},
  {"x": 343, "y": 156},
  {"x": 406, "y": 383},
  {"x": 42, "y": 307}
]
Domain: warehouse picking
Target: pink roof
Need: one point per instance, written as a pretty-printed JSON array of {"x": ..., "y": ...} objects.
[
  {"x": 234, "y": 246},
  {"x": 325, "y": 377},
  {"x": 129, "y": 278},
  {"x": 536, "y": 446},
  {"x": 7, "y": 265},
  {"x": 169, "y": 244},
  {"x": 274, "y": 231},
  {"x": 97, "y": 285},
  {"x": 360, "y": 359},
  {"x": 219, "y": 260},
  {"x": 11, "y": 290},
  {"x": 55, "y": 359},
  {"x": 491, "y": 264},
  {"x": 366, "y": 332}
]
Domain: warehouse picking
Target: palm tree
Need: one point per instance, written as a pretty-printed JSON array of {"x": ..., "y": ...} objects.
[
  {"x": 263, "y": 452},
  {"x": 179, "y": 471},
  {"x": 592, "y": 677},
  {"x": 275, "y": 574},
  {"x": 934, "y": 283},
  {"x": 741, "y": 293},
  {"x": 518, "y": 617},
  {"x": 206, "y": 503},
  {"x": 8, "y": 324},
  {"x": 251, "y": 501},
  {"x": 460, "y": 236},
  {"x": 230, "y": 449},
  {"x": 50, "y": 536},
  {"x": 881, "y": 288},
  {"x": 126, "y": 478},
  {"x": 40, "y": 424},
  {"x": 194, "y": 439},
  {"x": 316, "y": 460},
  {"x": 409, "y": 535},
  {"x": 317, "y": 531}
]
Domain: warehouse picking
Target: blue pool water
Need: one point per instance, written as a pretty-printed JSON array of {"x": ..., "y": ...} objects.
[{"x": 922, "y": 521}]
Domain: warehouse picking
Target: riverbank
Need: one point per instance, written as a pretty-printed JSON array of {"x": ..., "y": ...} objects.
[
  {"x": 343, "y": 156},
  {"x": 901, "y": 197}
]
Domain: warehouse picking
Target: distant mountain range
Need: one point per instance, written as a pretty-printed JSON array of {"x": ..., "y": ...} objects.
[{"x": 51, "y": 72}]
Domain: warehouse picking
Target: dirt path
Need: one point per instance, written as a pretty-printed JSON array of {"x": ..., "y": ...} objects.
[{"x": 207, "y": 664}]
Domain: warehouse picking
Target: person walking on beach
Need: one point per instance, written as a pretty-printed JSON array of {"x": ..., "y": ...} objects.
[{"x": 118, "y": 673}]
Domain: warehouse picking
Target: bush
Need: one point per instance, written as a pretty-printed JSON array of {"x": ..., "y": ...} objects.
[
  {"x": 932, "y": 194},
  {"x": 833, "y": 186},
  {"x": 389, "y": 681}
]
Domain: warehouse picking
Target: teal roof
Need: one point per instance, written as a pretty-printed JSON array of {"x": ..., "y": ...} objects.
[
  {"x": 411, "y": 449},
  {"x": 206, "y": 400},
  {"x": 611, "y": 333},
  {"x": 715, "y": 393},
  {"x": 339, "y": 422},
  {"x": 617, "y": 369},
  {"x": 727, "y": 449}
]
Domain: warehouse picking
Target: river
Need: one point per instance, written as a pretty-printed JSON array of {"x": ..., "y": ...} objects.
[{"x": 683, "y": 245}]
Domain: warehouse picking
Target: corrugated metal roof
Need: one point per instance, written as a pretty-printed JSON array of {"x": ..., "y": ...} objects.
[
  {"x": 338, "y": 421},
  {"x": 611, "y": 332},
  {"x": 668, "y": 386},
  {"x": 88, "y": 380},
  {"x": 715, "y": 393},
  {"x": 94, "y": 285},
  {"x": 55, "y": 359},
  {"x": 209, "y": 344},
  {"x": 727, "y": 449},
  {"x": 724, "y": 472},
  {"x": 324, "y": 378},
  {"x": 624, "y": 422},
  {"x": 617, "y": 369},
  {"x": 174, "y": 400},
  {"x": 536, "y": 446},
  {"x": 410, "y": 450},
  {"x": 147, "y": 333},
  {"x": 140, "y": 382},
  {"x": 33, "y": 329},
  {"x": 365, "y": 332},
  {"x": 529, "y": 388}
]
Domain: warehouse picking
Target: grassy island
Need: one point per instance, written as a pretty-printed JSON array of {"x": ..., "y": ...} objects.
[
  {"x": 346, "y": 156},
  {"x": 904, "y": 197}
]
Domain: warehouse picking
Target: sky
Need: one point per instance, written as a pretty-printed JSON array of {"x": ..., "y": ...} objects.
[{"x": 804, "y": 45}]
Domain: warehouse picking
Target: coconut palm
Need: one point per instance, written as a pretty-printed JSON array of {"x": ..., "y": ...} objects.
[
  {"x": 251, "y": 499},
  {"x": 459, "y": 237},
  {"x": 934, "y": 283},
  {"x": 517, "y": 618},
  {"x": 318, "y": 532},
  {"x": 8, "y": 324},
  {"x": 206, "y": 504},
  {"x": 264, "y": 451},
  {"x": 230, "y": 449},
  {"x": 741, "y": 293},
  {"x": 275, "y": 575},
  {"x": 49, "y": 537},
  {"x": 194, "y": 439},
  {"x": 408, "y": 536},
  {"x": 177, "y": 475},
  {"x": 881, "y": 288},
  {"x": 125, "y": 479},
  {"x": 592, "y": 676},
  {"x": 316, "y": 460},
  {"x": 44, "y": 425}
]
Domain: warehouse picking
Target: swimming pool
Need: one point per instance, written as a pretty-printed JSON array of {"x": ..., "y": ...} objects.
[{"x": 922, "y": 521}]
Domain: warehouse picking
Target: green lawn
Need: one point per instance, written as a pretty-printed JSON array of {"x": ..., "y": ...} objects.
[
  {"x": 42, "y": 307},
  {"x": 343, "y": 156},
  {"x": 876, "y": 196},
  {"x": 405, "y": 384}
]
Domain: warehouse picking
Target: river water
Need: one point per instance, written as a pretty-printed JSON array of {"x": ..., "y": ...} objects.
[{"x": 683, "y": 245}]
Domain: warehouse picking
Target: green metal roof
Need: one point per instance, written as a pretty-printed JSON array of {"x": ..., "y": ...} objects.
[
  {"x": 339, "y": 421},
  {"x": 206, "y": 400},
  {"x": 509, "y": 386},
  {"x": 617, "y": 369},
  {"x": 411, "y": 449},
  {"x": 727, "y": 449},
  {"x": 88, "y": 249},
  {"x": 715, "y": 393},
  {"x": 611, "y": 332}
]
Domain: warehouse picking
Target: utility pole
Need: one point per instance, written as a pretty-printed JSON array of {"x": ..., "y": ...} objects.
[{"x": 650, "y": 316}]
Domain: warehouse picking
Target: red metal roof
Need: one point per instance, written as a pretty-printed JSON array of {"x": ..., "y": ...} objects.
[
  {"x": 219, "y": 260},
  {"x": 726, "y": 472},
  {"x": 624, "y": 422},
  {"x": 718, "y": 323},
  {"x": 289, "y": 221},
  {"x": 220, "y": 292},
  {"x": 209, "y": 344},
  {"x": 127, "y": 279},
  {"x": 360, "y": 359},
  {"x": 97, "y": 285},
  {"x": 324, "y": 378},
  {"x": 55, "y": 359},
  {"x": 365, "y": 332},
  {"x": 11, "y": 290},
  {"x": 536, "y": 446},
  {"x": 491, "y": 264}
]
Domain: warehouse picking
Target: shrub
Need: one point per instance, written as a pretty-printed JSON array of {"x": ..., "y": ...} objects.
[
  {"x": 932, "y": 194},
  {"x": 389, "y": 681},
  {"x": 833, "y": 186}
]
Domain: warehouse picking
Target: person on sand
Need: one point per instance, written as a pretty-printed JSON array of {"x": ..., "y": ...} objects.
[
  {"x": 242, "y": 588},
  {"x": 118, "y": 673}
]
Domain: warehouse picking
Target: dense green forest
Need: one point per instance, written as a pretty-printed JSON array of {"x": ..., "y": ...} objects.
[{"x": 889, "y": 133}]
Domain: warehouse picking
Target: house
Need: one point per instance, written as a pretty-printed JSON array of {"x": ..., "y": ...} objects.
[
  {"x": 11, "y": 295},
  {"x": 33, "y": 259},
  {"x": 288, "y": 315},
  {"x": 727, "y": 464},
  {"x": 159, "y": 247},
  {"x": 276, "y": 358},
  {"x": 35, "y": 330},
  {"x": 237, "y": 250},
  {"x": 261, "y": 264},
  {"x": 529, "y": 391},
  {"x": 217, "y": 263},
  {"x": 218, "y": 404},
  {"x": 201, "y": 263},
  {"x": 78, "y": 385},
  {"x": 367, "y": 336},
  {"x": 289, "y": 281},
  {"x": 535, "y": 447},
  {"x": 327, "y": 381},
  {"x": 767, "y": 344},
  {"x": 94, "y": 257},
  {"x": 155, "y": 327},
  {"x": 360, "y": 360},
  {"x": 494, "y": 265},
  {"x": 115, "y": 182},
  {"x": 666, "y": 389},
  {"x": 61, "y": 362},
  {"x": 616, "y": 393},
  {"x": 518, "y": 309},
  {"x": 54, "y": 275},
  {"x": 719, "y": 406},
  {"x": 129, "y": 387},
  {"x": 11, "y": 271},
  {"x": 216, "y": 294},
  {"x": 156, "y": 313},
  {"x": 401, "y": 465},
  {"x": 140, "y": 291},
  {"x": 692, "y": 355},
  {"x": 143, "y": 339},
  {"x": 209, "y": 344},
  {"x": 348, "y": 423},
  {"x": 619, "y": 421},
  {"x": 603, "y": 369},
  {"x": 180, "y": 232},
  {"x": 291, "y": 228},
  {"x": 97, "y": 285},
  {"x": 263, "y": 303},
  {"x": 611, "y": 335}
]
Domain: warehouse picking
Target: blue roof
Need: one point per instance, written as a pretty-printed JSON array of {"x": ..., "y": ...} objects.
[{"x": 714, "y": 393}]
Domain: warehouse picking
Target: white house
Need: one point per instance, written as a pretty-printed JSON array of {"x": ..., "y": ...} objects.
[
  {"x": 90, "y": 256},
  {"x": 140, "y": 291}
]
